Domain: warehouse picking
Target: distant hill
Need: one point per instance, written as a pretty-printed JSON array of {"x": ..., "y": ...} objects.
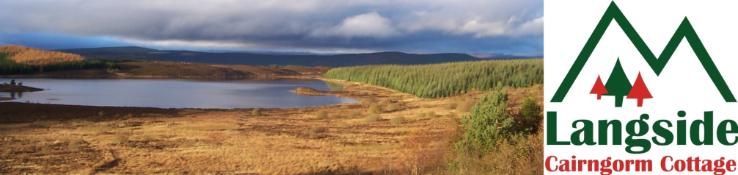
[
  {"x": 140, "y": 53},
  {"x": 16, "y": 59},
  {"x": 25, "y": 62},
  {"x": 37, "y": 57}
]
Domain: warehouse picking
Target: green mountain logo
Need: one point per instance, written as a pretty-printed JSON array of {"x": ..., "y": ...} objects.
[{"x": 618, "y": 84}]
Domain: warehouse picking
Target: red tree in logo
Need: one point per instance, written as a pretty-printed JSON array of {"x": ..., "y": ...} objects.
[
  {"x": 599, "y": 88},
  {"x": 639, "y": 91}
]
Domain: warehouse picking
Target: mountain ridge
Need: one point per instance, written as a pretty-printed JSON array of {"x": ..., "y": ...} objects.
[{"x": 334, "y": 60}]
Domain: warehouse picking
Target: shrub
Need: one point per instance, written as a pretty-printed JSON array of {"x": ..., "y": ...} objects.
[
  {"x": 495, "y": 143},
  {"x": 488, "y": 123},
  {"x": 530, "y": 115},
  {"x": 256, "y": 112}
]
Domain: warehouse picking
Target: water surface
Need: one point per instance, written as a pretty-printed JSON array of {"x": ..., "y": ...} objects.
[{"x": 173, "y": 93}]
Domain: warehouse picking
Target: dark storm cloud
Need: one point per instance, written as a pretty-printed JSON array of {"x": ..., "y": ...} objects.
[{"x": 476, "y": 26}]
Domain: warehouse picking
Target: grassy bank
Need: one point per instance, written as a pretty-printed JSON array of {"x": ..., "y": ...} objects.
[
  {"x": 355, "y": 138},
  {"x": 500, "y": 134},
  {"x": 443, "y": 80}
]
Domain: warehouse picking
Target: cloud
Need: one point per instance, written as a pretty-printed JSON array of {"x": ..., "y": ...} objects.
[
  {"x": 532, "y": 27},
  {"x": 497, "y": 28},
  {"x": 188, "y": 44},
  {"x": 56, "y": 41},
  {"x": 406, "y": 25},
  {"x": 364, "y": 25}
]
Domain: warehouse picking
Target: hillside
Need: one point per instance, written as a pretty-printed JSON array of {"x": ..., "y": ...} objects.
[
  {"x": 37, "y": 57},
  {"x": 176, "y": 70},
  {"x": 25, "y": 62},
  {"x": 139, "y": 53}
]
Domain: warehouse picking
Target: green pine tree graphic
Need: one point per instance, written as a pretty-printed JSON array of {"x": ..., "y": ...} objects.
[{"x": 618, "y": 84}]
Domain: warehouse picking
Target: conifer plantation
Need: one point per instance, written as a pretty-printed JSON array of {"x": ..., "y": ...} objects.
[{"x": 447, "y": 79}]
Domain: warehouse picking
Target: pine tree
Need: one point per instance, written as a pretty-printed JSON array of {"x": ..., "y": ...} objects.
[
  {"x": 618, "y": 84},
  {"x": 599, "y": 88},
  {"x": 639, "y": 91}
]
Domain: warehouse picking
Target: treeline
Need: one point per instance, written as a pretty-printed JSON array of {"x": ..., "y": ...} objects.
[
  {"x": 9, "y": 67},
  {"x": 448, "y": 79}
]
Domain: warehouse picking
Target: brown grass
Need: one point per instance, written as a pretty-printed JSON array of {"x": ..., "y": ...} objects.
[
  {"x": 520, "y": 155},
  {"x": 52, "y": 139},
  {"x": 37, "y": 57},
  {"x": 371, "y": 118},
  {"x": 398, "y": 120},
  {"x": 280, "y": 141}
]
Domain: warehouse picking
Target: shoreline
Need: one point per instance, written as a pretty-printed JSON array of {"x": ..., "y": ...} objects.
[
  {"x": 23, "y": 111},
  {"x": 341, "y": 94},
  {"x": 18, "y": 88}
]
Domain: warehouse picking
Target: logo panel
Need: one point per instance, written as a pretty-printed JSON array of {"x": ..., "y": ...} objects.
[{"x": 637, "y": 87}]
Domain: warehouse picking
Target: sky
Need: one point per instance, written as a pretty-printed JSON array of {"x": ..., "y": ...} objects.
[{"x": 482, "y": 27}]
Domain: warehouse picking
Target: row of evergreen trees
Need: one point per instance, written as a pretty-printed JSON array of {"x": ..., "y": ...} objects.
[
  {"x": 8, "y": 66},
  {"x": 447, "y": 79}
]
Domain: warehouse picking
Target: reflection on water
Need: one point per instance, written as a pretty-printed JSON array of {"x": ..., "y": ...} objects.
[
  {"x": 14, "y": 95},
  {"x": 174, "y": 93},
  {"x": 10, "y": 95}
]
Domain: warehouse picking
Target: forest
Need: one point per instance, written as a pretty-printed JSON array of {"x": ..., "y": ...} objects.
[{"x": 447, "y": 79}]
